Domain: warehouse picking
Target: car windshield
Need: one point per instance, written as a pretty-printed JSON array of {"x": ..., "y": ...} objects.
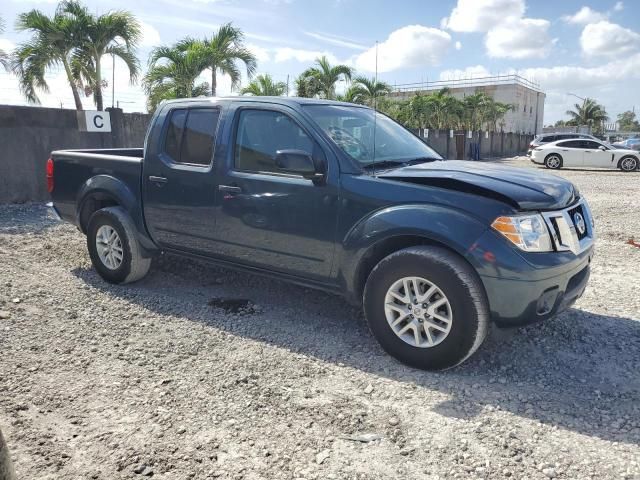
[{"x": 355, "y": 130}]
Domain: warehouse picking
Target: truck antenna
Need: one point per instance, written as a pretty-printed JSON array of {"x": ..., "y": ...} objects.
[{"x": 375, "y": 113}]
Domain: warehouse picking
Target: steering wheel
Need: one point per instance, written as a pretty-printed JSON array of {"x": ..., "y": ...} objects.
[{"x": 347, "y": 142}]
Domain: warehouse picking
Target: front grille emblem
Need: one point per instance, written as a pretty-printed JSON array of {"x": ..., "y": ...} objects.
[{"x": 578, "y": 219}]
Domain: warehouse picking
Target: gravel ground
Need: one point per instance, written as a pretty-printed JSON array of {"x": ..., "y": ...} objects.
[{"x": 163, "y": 379}]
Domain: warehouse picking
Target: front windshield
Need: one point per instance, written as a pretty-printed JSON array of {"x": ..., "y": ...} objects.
[{"x": 352, "y": 129}]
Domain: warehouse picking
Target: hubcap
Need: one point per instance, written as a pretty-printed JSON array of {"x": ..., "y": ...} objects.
[
  {"x": 629, "y": 164},
  {"x": 109, "y": 247},
  {"x": 553, "y": 162},
  {"x": 418, "y": 312}
]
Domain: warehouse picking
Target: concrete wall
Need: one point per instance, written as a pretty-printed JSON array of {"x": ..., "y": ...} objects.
[
  {"x": 29, "y": 134},
  {"x": 494, "y": 145}
]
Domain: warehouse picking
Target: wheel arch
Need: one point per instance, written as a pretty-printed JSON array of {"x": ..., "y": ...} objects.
[
  {"x": 395, "y": 228},
  {"x": 104, "y": 191}
]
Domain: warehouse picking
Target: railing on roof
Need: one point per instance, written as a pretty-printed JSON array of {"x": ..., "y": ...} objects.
[{"x": 466, "y": 83}]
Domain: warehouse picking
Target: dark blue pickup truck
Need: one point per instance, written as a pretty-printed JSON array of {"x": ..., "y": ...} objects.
[{"x": 334, "y": 196}]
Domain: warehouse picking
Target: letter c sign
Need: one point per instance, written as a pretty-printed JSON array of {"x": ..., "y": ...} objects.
[{"x": 98, "y": 121}]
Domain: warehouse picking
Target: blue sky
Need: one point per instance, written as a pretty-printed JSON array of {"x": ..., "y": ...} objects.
[{"x": 586, "y": 47}]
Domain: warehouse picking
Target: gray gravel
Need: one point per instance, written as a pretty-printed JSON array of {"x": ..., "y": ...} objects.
[{"x": 165, "y": 379}]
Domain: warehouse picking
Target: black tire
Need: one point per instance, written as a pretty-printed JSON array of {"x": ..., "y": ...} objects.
[
  {"x": 628, "y": 164},
  {"x": 553, "y": 161},
  {"x": 459, "y": 283},
  {"x": 134, "y": 266}
]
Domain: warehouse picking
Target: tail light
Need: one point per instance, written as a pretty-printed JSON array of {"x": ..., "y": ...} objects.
[{"x": 50, "y": 175}]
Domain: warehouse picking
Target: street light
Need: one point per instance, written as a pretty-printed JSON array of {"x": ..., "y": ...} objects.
[
  {"x": 577, "y": 96},
  {"x": 113, "y": 76}
]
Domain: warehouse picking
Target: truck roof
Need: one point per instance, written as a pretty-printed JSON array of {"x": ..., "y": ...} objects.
[{"x": 290, "y": 101}]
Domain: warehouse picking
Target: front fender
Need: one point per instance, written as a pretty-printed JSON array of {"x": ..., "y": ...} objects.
[
  {"x": 108, "y": 187},
  {"x": 451, "y": 227}
]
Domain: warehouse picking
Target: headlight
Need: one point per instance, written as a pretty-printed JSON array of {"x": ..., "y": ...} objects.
[{"x": 527, "y": 232}]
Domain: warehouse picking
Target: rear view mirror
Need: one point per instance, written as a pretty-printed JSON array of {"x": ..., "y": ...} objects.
[{"x": 297, "y": 162}]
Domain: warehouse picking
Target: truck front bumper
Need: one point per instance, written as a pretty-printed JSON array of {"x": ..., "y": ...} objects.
[
  {"x": 515, "y": 303},
  {"x": 528, "y": 288}
]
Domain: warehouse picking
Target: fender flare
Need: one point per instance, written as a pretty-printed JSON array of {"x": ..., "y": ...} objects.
[
  {"x": 452, "y": 228},
  {"x": 109, "y": 187}
]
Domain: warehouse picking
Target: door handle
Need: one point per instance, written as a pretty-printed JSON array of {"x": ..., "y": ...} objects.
[
  {"x": 587, "y": 151},
  {"x": 154, "y": 179},
  {"x": 229, "y": 188}
]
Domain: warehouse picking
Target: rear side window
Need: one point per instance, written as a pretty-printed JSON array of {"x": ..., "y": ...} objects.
[
  {"x": 548, "y": 139},
  {"x": 571, "y": 144},
  {"x": 191, "y": 135}
]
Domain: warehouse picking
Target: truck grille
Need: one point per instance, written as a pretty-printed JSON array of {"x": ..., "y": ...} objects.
[{"x": 571, "y": 228}]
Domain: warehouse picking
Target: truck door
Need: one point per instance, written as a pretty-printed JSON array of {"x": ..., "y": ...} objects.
[
  {"x": 267, "y": 218},
  {"x": 178, "y": 180}
]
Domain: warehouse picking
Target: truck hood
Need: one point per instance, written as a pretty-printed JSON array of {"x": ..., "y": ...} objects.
[{"x": 522, "y": 188}]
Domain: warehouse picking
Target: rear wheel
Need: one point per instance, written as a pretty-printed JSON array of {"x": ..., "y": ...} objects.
[
  {"x": 553, "y": 161},
  {"x": 629, "y": 164},
  {"x": 426, "y": 307},
  {"x": 113, "y": 246}
]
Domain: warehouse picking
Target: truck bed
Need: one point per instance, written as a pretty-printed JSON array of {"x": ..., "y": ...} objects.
[{"x": 74, "y": 169}]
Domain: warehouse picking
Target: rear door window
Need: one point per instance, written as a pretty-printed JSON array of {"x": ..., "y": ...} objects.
[
  {"x": 191, "y": 134},
  {"x": 174, "y": 134},
  {"x": 199, "y": 136}
]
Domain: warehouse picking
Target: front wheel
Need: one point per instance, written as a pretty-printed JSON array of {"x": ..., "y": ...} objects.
[
  {"x": 113, "y": 246},
  {"x": 427, "y": 307},
  {"x": 629, "y": 164}
]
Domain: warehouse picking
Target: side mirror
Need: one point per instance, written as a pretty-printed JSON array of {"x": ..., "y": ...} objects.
[
  {"x": 297, "y": 162},
  {"x": 602, "y": 147}
]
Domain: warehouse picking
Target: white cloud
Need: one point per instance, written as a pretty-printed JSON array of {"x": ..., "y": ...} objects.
[
  {"x": 284, "y": 54},
  {"x": 261, "y": 54},
  {"x": 608, "y": 39},
  {"x": 7, "y": 45},
  {"x": 475, "y": 71},
  {"x": 150, "y": 36},
  {"x": 333, "y": 40},
  {"x": 458, "y": 45},
  {"x": 482, "y": 15},
  {"x": 519, "y": 38},
  {"x": 619, "y": 6},
  {"x": 410, "y": 46},
  {"x": 584, "y": 16}
]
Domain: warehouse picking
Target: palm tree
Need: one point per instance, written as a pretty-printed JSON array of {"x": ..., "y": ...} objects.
[
  {"x": 366, "y": 90},
  {"x": 173, "y": 73},
  {"x": 114, "y": 33},
  {"x": 263, "y": 85},
  {"x": 321, "y": 79},
  {"x": 589, "y": 113},
  {"x": 4, "y": 58},
  {"x": 51, "y": 45},
  {"x": 303, "y": 88},
  {"x": 222, "y": 52}
]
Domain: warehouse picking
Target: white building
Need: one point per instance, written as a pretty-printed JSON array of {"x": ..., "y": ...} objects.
[{"x": 526, "y": 96}]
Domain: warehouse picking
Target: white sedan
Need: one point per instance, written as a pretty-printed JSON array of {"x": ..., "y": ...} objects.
[{"x": 585, "y": 153}]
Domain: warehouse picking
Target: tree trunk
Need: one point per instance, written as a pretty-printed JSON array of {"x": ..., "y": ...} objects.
[
  {"x": 214, "y": 82},
  {"x": 98, "y": 86},
  {"x": 74, "y": 87}
]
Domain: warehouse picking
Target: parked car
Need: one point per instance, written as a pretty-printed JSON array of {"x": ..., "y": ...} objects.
[
  {"x": 629, "y": 144},
  {"x": 585, "y": 153},
  {"x": 555, "y": 137},
  {"x": 297, "y": 189}
]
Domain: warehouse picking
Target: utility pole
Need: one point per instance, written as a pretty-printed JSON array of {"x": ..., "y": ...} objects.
[{"x": 287, "y": 84}]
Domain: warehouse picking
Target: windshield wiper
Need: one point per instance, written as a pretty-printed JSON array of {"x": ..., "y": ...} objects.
[{"x": 400, "y": 163}]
